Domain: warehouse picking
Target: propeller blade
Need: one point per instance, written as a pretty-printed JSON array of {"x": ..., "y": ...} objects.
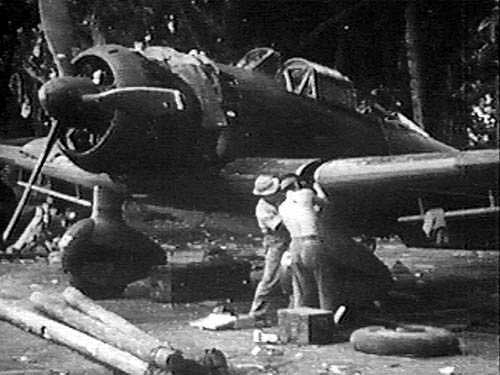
[
  {"x": 149, "y": 101},
  {"x": 59, "y": 33},
  {"x": 51, "y": 139}
]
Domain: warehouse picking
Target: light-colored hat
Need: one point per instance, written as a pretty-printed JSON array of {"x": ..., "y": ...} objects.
[{"x": 266, "y": 185}]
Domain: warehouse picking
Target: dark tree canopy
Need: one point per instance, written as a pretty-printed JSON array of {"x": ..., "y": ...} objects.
[{"x": 364, "y": 39}]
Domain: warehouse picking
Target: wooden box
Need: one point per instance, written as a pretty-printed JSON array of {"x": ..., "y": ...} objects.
[
  {"x": 200, "y": 281},
  {"x": 305, "y": 325}
]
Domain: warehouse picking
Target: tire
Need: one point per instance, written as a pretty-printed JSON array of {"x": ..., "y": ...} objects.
[
  {"x": 99, "y": 277},
  {"x": 96, "y": 279},
  {"x": 103, "y": 259},
  {"x": 96, "y": 291},
  {"x": 408, "y": 340}
]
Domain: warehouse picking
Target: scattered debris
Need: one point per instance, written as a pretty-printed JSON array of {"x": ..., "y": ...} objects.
[
  {"x": 256, "y": 350},
  {"x": 249, "y": 366},
  {"x": 260, "y": 337},
  {"x": 448, "y": 370},
  {"x": 339, "y": 369},
  {"x": 215, "y": 321},
  {"x": 267, "y": 351},
  {"x": 339, "y": 314},
  {"x": 245, "y": 321}
]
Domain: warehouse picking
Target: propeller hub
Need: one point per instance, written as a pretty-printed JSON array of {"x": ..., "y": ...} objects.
[{"x": 61, "y": 97}]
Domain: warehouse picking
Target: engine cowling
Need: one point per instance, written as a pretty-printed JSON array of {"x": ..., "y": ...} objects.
[{"x": 116, "y": 142}]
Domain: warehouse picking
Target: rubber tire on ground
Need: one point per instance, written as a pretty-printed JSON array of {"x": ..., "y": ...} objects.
[{"x": 407, "y": 340}]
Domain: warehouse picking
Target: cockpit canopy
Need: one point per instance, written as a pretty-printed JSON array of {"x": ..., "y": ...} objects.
[
  {"x": 302, "y": 77},
  {"x": 327, "y": 85}
]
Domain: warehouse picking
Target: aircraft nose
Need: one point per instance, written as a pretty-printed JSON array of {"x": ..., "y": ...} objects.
[{"x": 62, "y": 96}]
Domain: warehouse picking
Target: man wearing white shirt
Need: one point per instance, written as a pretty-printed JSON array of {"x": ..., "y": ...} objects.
[
  {"x": 328, "y": 269},
  {"x": 301, "y": 212}
]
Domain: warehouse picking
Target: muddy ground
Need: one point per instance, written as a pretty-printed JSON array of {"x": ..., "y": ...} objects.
[{"x": 449, "y": 288}]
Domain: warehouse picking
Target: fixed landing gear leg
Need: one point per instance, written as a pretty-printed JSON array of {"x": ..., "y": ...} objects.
[{"x": 102, "y": 253}]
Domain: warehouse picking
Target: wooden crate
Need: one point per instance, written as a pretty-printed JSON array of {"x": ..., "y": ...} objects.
[
  {"x": 305, "y": 325},
  {"x": 198, "y": 281}
]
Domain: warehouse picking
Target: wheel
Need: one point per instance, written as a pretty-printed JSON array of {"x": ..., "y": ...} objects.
[
  {"x": 96, "y": 291},
  {"x": 102, "y": 259},
  {"x": 99, "y": 272},
  {"x": 407, "y": 340},
  {"x": 94, "y": 277}
]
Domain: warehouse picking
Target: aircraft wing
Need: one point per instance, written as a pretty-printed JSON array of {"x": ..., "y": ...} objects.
[
  {"x": 369, "y": 193},
  {"x": 365, "y": 177},
  {"x": 366, "y": 182},
  {"x": 387, "y": 174},
  {"x": 390, "y": 194},
  {"x": 57, "y": 166}
]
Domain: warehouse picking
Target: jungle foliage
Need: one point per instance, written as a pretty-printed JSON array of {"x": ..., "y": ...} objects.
[{"x": 453, "y": 42}]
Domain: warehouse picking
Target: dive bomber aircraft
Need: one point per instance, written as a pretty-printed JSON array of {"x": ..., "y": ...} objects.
[{"x": 185, "y": 130}]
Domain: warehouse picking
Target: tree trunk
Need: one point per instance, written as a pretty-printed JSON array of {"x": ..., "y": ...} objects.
[{"x": 412, "y": 38}]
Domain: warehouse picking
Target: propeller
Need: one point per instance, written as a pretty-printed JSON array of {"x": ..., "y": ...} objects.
[
  {"x": 51, "y": 139},
  {"x": 77, "y": 103},
  {"x": 57, "y": 26}
]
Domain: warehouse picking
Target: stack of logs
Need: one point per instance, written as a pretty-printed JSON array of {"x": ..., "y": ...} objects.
[{"x": 106, "y": 337}]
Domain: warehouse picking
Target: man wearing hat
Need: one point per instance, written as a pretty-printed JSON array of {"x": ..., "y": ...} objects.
[{"x": 275, "y": 240}]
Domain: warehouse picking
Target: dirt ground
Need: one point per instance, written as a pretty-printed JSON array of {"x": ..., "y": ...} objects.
[{"x": 453, "y": 289}]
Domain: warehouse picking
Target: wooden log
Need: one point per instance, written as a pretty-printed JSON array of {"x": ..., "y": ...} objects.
[
  {"x": 78, "y": 300},
  {"x": 151, "y": 350},
  {"x": 161, "y": 353},
  {"x": 74, "y": 339}
]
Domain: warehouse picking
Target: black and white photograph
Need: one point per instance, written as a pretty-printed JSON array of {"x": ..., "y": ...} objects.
[{"x": 258, "y": 187}]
